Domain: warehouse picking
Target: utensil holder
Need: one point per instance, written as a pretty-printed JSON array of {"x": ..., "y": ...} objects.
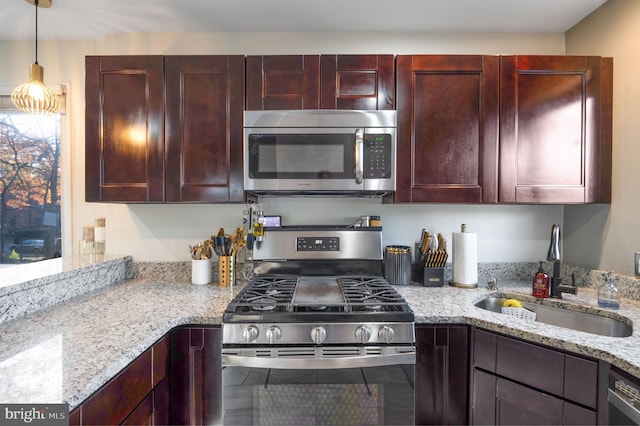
[
  {"x": 397, "y": 264},
  {"x": 200, "y": 271},
  {"x": 226, "y": 271}
]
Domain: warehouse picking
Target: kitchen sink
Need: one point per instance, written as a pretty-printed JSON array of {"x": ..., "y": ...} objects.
[{"x": 562, "y": 317}]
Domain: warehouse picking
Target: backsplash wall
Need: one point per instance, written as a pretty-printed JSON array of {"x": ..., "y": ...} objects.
[{"x": 506, "y": 233}]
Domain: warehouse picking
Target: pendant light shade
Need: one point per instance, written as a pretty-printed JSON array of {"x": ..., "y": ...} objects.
[{"x": 34, "y": 97}]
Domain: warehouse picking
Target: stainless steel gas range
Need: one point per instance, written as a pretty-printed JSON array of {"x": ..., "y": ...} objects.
[{"x": 318, "y": 319}]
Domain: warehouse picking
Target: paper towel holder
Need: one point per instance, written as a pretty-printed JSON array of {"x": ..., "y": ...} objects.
[{"x": 463, "y": 229}]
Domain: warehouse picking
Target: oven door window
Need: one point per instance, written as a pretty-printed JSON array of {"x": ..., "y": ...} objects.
[
  {"x": 301, "y": 156},
  {"x": 352, "y": 396}
]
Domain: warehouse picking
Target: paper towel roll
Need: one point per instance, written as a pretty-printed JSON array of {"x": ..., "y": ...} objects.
[{"x": 464, "y": 260}]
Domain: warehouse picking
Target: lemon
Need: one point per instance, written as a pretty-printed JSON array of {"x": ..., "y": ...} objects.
[{"x": 512, "y": 303}]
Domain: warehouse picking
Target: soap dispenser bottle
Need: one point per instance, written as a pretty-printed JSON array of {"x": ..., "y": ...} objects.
[
  {"x": 608, "y": 295},
  {"x": 540, "y": 283}
]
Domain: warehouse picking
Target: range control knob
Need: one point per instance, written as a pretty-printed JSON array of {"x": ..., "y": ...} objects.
[
  {"x": 250, "y": 334},
  {"x": 318, "y": 335},
  {"x": 385, "y": 334},
  {"x": 363, "y": 334},
  {"x": 273, "y": 334}
]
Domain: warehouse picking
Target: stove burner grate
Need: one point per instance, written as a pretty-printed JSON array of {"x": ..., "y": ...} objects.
[{"x": 362, "y": 295}]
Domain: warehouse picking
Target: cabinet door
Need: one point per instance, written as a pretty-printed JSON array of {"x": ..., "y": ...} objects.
[
  {"x": 205, "y": 100},
  {"x": 502, "y": 402},
  {"x": 283, "y": 82},
  {"x": 196, "y": 376},
  {"x": 555, "y": 129},
  {"x": 357, "y": 82},
  {"x": 441, "y": 375},
  {"x": 447, "y": 128},
  {"x": 124, "y": 140},
  {"x": 137, "y": 395},
  {"x": 567, "y": 376}
]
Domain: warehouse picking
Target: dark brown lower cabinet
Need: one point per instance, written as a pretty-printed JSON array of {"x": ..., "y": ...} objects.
[
  {"x": 196, "y": 376},
  {"x": 442, "y": 375},
  {"x": 521, "y": 383},
  {"x": 498, "y": 401},
  {"x": 139, "y": 394}
]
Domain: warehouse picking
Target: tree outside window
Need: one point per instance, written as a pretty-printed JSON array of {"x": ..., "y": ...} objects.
[{"x": 30, "y": 222}]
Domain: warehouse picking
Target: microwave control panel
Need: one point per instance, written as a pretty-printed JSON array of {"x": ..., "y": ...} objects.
[
  {"x": 318, "y": 244},
  {"x": 377, "y": 156}
]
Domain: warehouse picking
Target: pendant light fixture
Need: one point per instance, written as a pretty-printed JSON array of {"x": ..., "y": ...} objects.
[{"x": 34, "y": 97}]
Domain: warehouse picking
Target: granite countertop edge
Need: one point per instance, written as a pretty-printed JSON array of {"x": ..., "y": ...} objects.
[{"x": 101, "y": 332}]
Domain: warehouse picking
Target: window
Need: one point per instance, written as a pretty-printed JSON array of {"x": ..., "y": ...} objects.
[{"x": 30, "y": 185}]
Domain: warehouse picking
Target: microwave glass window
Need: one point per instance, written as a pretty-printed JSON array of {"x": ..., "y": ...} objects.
[{"x": 301, "y": 158}]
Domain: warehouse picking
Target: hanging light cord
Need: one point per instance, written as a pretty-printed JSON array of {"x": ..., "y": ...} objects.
[{"x": 36, "y": 3}]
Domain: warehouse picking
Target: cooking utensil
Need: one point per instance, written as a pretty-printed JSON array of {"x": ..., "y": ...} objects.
[
  {"x": 250, "y": 241},
  {"x": 218, "y": 244},
  {"x": 202, "y": 251}
]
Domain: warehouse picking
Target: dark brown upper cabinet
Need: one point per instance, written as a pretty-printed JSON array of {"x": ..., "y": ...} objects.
[
  {"x": 555, "y": 129},
  {"x": 203, "y": 128},
  {"x": 447, "y": 128},
  {"x": 327, "y": 81},
  {"x": 141, "y": 148},
  {"x": 357, "y": 82},
  {"x": 283, "y": 82},
  {"x": 124, "y": 133}
]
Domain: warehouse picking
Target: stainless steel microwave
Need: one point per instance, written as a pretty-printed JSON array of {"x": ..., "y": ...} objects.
[{"x": 320, "y": 152}]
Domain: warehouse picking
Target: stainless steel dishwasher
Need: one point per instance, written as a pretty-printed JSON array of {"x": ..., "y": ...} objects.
[{"x": 623, "y": 398}]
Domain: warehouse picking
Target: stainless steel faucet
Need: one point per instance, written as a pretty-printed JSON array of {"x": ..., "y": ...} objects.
[{"x": 554, "y": 255}]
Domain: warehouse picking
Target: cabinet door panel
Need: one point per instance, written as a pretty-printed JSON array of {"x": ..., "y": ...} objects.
[
  {"x": 484, "y": 350},
  {"x": 160, "y": 352},
  {"x": 554, "y": 129},
  {"x": 283, "y": 82},
  {"x": 502, "y": 402},
  {"x": 441, "y": 375},
  {"x": 483, "y": 398},
  {"x": 114, "y": 402},
  {"x": 447, "y": 128},
  {"x": 580, "y": 375},
  {"x": 196, "y": 376},
  {"x": 518, "y": 405},
  {"x": 357, "y": 82},
  {"x": 143, "y": 413},
  {"x": 124, "y": 158},
  {"x": 530, "y": 364},
  {"x": 204, "y": 128}
]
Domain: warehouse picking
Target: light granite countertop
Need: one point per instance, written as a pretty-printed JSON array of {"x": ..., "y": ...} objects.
[{"x": 66, "y": 352}]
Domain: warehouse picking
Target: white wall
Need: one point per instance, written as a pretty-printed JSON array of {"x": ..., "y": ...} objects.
[
  {"x": 606, "y": 237},
  {"x": 163, "y": 232}
]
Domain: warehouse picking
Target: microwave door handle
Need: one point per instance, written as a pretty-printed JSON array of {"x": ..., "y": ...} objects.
[{"x": 359, "y": 155}]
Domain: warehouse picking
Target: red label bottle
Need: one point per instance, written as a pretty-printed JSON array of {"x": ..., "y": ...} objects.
[{"x": 540, "y": 283}]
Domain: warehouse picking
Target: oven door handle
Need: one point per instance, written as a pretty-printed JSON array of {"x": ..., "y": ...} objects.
[
  {"x": 627, "y": 409},
  {"x": 309, "y": 363}
]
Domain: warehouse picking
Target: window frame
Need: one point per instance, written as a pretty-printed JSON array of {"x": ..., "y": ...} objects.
[{"x": 62, "y": 90}]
